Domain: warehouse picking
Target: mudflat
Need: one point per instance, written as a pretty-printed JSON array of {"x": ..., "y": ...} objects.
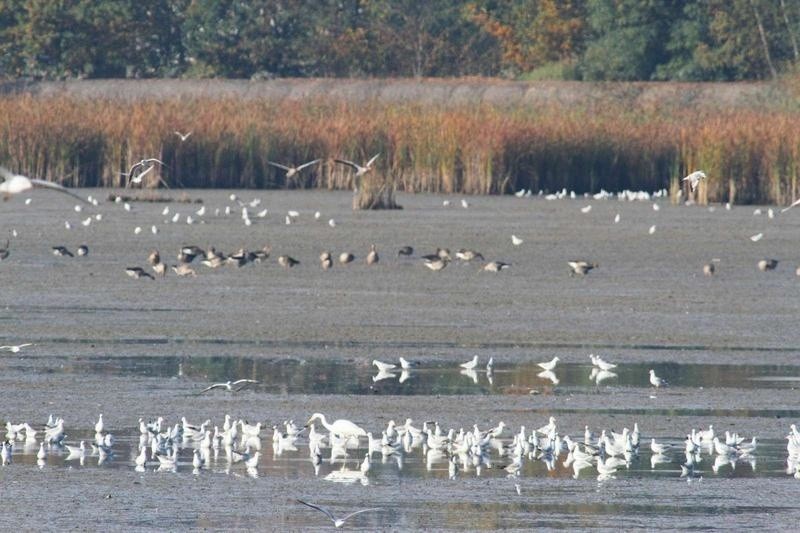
[{"x": 106, "y": 343}]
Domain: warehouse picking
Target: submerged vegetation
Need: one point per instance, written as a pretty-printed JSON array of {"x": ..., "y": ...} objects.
[{"x": 750, "y": 154}]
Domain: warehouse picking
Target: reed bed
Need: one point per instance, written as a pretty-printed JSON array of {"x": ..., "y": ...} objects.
[{"x": 750, "y": 155}]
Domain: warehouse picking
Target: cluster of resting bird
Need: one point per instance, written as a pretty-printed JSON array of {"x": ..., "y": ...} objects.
[
  {"x": 212, "y": 258},
  {"x": 239, "y": 442}
]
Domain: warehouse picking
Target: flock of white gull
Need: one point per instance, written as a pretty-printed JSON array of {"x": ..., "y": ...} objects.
[{"x": 199, "y": 446}]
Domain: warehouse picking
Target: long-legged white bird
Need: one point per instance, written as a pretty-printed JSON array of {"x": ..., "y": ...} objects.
[
  {"x": 16, "y": 183},
  {"x": 341, "y": 427}
]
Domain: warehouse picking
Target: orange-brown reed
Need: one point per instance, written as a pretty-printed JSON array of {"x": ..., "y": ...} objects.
[{"x": 750, "y": 155}]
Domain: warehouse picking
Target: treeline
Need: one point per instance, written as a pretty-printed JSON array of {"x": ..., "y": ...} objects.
[{"x": 536, "y": 39}]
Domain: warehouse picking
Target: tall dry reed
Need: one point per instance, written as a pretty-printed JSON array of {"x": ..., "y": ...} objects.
[{"x": 750, "y": 155}]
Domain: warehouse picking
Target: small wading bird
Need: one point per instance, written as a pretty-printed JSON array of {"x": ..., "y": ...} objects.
[
  {"x": 16, "y": 183},
  {"x": 293, "y": 171},
  {"x": 231, "y": 386},
  {"x": 337, "y": 522},
  {"x": 360, "y": 170},
  {"x": 694, "y": 178}
]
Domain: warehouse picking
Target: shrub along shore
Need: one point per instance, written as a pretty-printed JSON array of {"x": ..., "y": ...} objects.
[{"x": 751, "y": 153}]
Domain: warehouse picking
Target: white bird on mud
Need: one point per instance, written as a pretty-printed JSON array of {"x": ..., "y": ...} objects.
[
  {"x": 337, "y": 522},
  {"x": 516, "y": 241},
  {"x": 16, "y": 183}
]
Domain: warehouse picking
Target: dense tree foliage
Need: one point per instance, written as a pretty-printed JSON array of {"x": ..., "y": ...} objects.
[{"x": 582, "y": 39}]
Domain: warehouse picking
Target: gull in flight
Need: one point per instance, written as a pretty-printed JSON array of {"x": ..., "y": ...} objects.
[
  {"x": 15, "y": 349},
  {"x": 360, "y": 171},
  {"x": 183, "y": 136},
  {"x": 795, "y": 203},
  {"x": 694, "y": 178},
  {"x": 293, "y": 171},
  {"x": 231, "y": 386},
  {"x": 16, "y": 183},
  {"x": 137, "y": 179},
  {"x": 337, "y": 522}
]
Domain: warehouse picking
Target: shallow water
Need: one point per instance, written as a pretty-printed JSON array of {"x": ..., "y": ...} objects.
[
  {"x": 130, "y": 349},
  {"x": 294, "y": 375}
]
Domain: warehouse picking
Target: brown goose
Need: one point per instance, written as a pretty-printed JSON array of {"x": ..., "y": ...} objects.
[
  {"x": 468, "y": 255},
  {"x": 580, "y": 267},
  {"x": 184, "y": 270},
  {"x": 137, "y": 273},
  {"x": 436, "y": 264},
  {"x": 495, "y": 266},
  {"x": 287, "y": 262},
  {"x": 767, "y": 264}
]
